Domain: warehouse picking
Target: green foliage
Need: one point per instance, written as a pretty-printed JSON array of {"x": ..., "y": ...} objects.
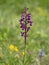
[{"x": 38, "y": 37}]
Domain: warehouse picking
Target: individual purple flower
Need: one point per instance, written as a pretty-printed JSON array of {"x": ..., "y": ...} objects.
[
  {"x": 22, "y": 33},
  {"x": 28, "y": 28},
  {"x": 28, "y": 17},
  {"x": 30, "y": 23},
  {"x": 22, "y": 26},
  {"x": 22, "y": 19}
]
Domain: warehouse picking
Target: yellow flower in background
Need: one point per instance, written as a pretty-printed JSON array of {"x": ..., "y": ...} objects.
[
  {"x": 11, "y": 47},
  {"x": 23, "y": 53},
  {"x": 16, "y": 49}
]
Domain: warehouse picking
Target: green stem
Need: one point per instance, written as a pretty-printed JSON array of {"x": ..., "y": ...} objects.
[{"x": 25, "y": 42}]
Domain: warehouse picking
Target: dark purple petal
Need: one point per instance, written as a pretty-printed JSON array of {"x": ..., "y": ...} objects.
[{"x": 28, "y": 28}]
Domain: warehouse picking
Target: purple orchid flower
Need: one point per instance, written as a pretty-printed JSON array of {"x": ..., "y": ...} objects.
[{"x": 24, "y": 21}]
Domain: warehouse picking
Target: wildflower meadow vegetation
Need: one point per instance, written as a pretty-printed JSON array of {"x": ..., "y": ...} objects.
[{"x": 24, "y": 32}]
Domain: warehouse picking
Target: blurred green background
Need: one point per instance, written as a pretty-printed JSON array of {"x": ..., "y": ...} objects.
[{"x": 38, "y": 36}]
